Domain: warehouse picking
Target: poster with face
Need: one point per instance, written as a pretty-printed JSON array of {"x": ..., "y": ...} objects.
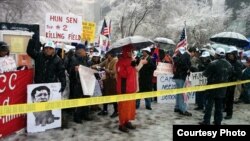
[{"x": 41, "y": 121}]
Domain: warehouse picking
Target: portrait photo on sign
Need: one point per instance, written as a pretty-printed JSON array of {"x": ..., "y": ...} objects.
[{"x": 41, "y": 121}]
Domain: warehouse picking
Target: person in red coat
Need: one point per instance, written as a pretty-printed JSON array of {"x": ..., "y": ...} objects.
[{"x": 126, "y": 83}]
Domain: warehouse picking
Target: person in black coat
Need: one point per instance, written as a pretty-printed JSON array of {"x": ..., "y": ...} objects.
[
  {"x": 79, "y": 58},
  {"x": 232, "y": 56},
  {"x": 147, "y": 67},
  {"x": 218, "y": 71},
  {"x": 48, "y": 66},
  {"x": 205, "y": 59},
  {"x": 182, "y": 63}
]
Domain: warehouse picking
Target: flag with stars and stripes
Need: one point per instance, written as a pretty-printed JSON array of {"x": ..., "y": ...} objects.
[{"x": 183, "y": 41}]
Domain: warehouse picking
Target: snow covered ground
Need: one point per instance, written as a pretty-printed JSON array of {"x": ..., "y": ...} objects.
[{"x": 155, "y": 125}]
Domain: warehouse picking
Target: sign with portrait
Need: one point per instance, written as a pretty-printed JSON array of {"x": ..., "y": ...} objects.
[{"x": 41, "y": 121}]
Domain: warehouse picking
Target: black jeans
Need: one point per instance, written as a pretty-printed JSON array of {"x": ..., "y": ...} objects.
[
  {"x": 218, "y": 115},
  {"x": 229, "y": 100},
  {"x": 201, "y": 99}
]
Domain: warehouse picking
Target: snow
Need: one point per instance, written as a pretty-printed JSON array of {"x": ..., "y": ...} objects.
[{"x": 154, "y": 125}]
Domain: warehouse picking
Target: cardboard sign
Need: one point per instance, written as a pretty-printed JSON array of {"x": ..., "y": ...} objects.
[
  {"x": 41, "y": 121},
  {"x": 197, "y": 79},
  {"x": 88, "y": 33},
  {"x": 64, "y": 28},
  {"x": 13, "y": 90}
]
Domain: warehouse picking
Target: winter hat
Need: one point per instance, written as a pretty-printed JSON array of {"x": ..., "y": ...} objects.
[
  {"x": 232, "y": 49},
  {"x": 96, "y": 54},
  {"x": 182, "y": 50},
  {"x": 4, "y": 46},
  {"x": 50, "y": 44},
  {"x": 220, "y": 51},
  {"x": 147, "y": 50},
  {"x": 80, "y": 46},
  {"x": 205, "y": 54}
]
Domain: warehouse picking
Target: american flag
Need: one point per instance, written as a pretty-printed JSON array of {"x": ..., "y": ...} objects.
[
  {"x": 182, "y": 42},
  {"x": 105, "y": 29}
]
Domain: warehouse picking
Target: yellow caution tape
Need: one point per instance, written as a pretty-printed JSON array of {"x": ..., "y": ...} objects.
[{"x": 62, "y": 104}]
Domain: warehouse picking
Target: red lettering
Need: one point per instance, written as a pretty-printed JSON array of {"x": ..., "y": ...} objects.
[
  {"x": 71, "y": 20},
  {"x": 56, "y": 18},
  {"x": 74, "y": 37},
  {"x": 65, "y": 28},
  {"x": 54, "y": 35}
]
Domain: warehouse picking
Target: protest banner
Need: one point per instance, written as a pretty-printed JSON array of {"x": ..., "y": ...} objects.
[
  {"x": 41, "y": 121},
  {"x": 13, "y": 90},
  {"x": 63, "y": 28},
  {"x": 88, "y": 31}
]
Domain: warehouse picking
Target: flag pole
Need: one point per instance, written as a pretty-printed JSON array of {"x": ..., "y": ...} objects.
[{"x": 185, "y": 33}]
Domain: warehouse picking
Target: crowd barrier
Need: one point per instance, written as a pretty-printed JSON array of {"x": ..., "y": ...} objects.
[{"x": 63, "y": 104}]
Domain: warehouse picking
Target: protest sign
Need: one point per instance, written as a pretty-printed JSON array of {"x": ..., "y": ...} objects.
[
  {"x": 88, "y": 33},
  {"x": 64, "y": 28},
  {"x": 41, "y": 121},
  {"x": 197, "y": 79},
  {"x": 164, "y": 82}
]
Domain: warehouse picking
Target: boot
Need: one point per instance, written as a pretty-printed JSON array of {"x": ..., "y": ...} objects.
[
  {"x": 130, "y": 126},
  {"x": 123, "y": 129}
]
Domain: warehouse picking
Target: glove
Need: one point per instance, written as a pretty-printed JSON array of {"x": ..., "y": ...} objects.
[{"x": 62, "y": 89}]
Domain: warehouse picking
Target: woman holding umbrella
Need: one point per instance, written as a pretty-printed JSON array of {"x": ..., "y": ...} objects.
[{"x": 126, "y": 83}]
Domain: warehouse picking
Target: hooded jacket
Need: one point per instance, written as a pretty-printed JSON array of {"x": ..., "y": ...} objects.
[{"x": 126, "y": 72}]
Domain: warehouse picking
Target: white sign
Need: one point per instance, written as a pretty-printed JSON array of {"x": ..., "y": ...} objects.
[
  {"x": 88, "y": 80},
  {"x": 41, "y": 121},
  {"x": 165, "y": 82},
  {"x": 197, "y": 79},
  {"x": 64, "y": 28}
]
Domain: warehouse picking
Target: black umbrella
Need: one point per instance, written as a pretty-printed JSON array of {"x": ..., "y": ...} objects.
[{"x": 230, "y": 38}]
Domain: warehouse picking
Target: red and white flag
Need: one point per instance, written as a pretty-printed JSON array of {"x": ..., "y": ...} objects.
[{"x": 183, "y": 41}]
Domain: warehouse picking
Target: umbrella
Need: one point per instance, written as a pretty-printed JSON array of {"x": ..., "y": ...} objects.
[
  {"x": 230, "y": 38},
  {"x": 164, "y": 40},
  {"x": 138, "y": 42}
]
